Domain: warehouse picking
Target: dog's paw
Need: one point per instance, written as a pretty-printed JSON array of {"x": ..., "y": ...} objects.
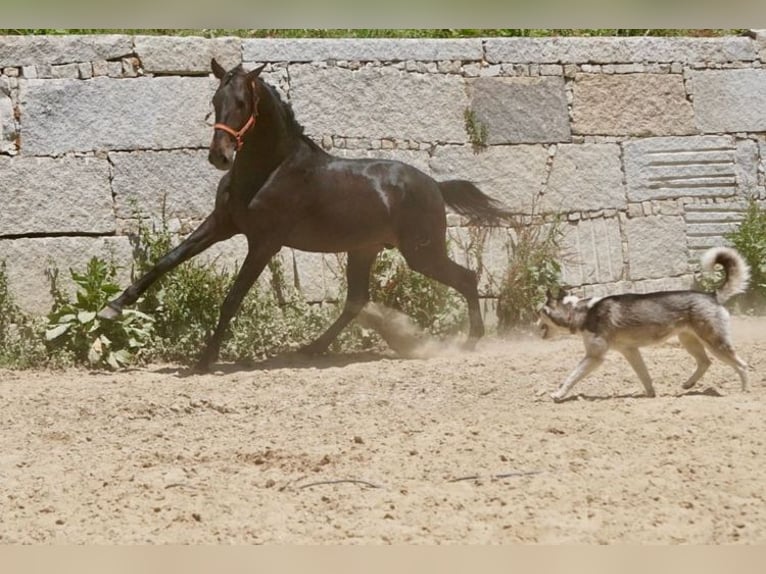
[{"x": 557, "y": 397}]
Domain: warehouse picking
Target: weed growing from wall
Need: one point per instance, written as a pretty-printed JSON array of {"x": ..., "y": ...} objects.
[
  {"x": 534, "y": 255},
  {"x": 21, "y": 335}
]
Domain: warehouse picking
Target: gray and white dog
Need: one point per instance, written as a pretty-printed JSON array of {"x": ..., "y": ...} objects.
[{"x": 627, "y": 322}]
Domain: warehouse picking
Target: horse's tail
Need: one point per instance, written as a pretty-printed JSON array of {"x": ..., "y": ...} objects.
[{"x": 467, "y": 199}]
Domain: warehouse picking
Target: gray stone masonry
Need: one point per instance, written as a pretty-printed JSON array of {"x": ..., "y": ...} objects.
[
  {"x": 631, "y": 104},
  {"x": 63, "y": 195},
  {"x": 729, "y": 100},
  {"x": 186, "y": 55},
  {"x": 379, "y": 103},
  {"x": 521, "y": 110},
  {"x": 644, "y": 149},
  {"x": 59, "y": 116},
  {"x": 382, "y": 49},
  {"x": 51, "y": 50},
  {"x": 27, "y": 260}
]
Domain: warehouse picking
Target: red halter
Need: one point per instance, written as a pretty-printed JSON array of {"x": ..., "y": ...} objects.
[{"x": 237, "y": 134}]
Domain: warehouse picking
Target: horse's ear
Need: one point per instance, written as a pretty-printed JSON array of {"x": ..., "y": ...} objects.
[
  {"x": 218, "y": 70},
  {"x": 253, "y": 74}
]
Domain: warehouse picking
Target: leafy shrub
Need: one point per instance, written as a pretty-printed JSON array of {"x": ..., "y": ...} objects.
[
  {"x": 74, "y": 327},
  {"x": 21, "y": 340},
  {"x": 533, "y": 268},
  {"x": 434, "y": 306},
  {"x": 749, "y": 238}
]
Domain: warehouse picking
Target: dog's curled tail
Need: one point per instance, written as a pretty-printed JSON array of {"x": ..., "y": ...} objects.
[{"x": 736, "y": 271}]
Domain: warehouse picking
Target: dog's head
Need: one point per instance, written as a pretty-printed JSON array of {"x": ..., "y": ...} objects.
[{"x": 557, "y": 315}]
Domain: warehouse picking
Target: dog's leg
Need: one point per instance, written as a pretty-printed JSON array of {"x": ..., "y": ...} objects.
[
  {"x": 586, "y": 366},
  {"x": 697, "y": 350},
  {"x": 726, "y": 353},
  {"x": 718, "y": 343},
  {"x": 633, "y": 355}
]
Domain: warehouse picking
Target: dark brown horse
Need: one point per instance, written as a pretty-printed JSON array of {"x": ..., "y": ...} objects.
[{"x": 281, "y": 189}]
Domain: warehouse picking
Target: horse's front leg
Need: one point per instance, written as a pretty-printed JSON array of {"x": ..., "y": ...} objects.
[
  {"x": 211, "y": 231},
  {"x": 256, "y": 260}
]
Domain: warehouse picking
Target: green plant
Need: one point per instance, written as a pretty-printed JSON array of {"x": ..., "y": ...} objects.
[
  {"x": 21, "y": 338},
  {"x": 749, "y": 238},
  {"x": 75, "y": 328},
  {"x": 433, "y": 305},
  {"x": 533, "y": 268},
  {"x": 476, "y": 129}
]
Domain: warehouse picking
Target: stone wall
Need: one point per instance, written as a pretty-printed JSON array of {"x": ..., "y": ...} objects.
[{"x": 648, "y": 147}]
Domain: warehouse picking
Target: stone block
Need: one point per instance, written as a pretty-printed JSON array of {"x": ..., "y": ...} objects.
[
  {"x": 186, "y": 54},
  {"x": 631, "y": 105},
  {"x": 729, "y": 100},
  {"x": 379, "y": 103},
  {"x": 374, "y": 49},
  {"x": 55, "y": 195},
  {"x": 7, "y": 125},
  {"x": 603, "y": 50},
  {"x": 514, "y": 175},
  {"x": 521, "y": 109},
  {"x": 584, "y": 177},
  {"x": 33, "y": 49},
  {"x": 592, "y": 252},
  {"x": 59, "y": 116},
  {"x": 181, "y": 180},
  {"x": 657, "y": 247},
  {"x": 695, "y": 166},
  {"x": 27, "y": 260}
]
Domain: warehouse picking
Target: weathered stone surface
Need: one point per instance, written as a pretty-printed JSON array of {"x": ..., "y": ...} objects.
[
  {"x": 183, "y": 180},
  {"x": 656, "y": 247},
  {"x": 494, "y": 245},
  {"x": 513, "y": 175},
  {"x": 592, "y": 252},
  {"x": 186, "y": 54},
  {"x": 584, "y": 177},
  {"x": 377, "y": 49},
  {"x": 379, "y": 103},
  {"x": 319, "y": 275},
  {"x": 760, "y": 41},
  {"x": 707, "y": 223},
  {"x": 670, "y": 167},
  {"x": 7, "y": 125},
  {"x": 631, "y": 104},
  {"x": 729, "y": 100},
  {"x": 33, "y": 49},
  {"x": 521, "y": 109},
  {"x": 27, "y": 260},
  {"x": 47, "y": 195},
  {"x": 617, "y": 50},
  {"x": 59, "y": 116}
]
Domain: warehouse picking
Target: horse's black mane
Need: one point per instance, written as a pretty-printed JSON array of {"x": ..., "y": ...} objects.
[{"x": 293, "y": 126}]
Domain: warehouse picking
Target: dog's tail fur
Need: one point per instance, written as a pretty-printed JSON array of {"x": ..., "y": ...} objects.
[{"x": 736, "y": 271}]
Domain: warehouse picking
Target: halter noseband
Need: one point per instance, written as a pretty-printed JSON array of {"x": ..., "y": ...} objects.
[{"x": 237, "y": 134}]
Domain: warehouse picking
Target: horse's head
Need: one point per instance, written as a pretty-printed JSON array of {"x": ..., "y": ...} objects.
[{"x": 236, "y": 110}]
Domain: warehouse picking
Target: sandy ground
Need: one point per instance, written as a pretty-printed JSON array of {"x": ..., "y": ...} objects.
[{"x": 458, "y": 448}]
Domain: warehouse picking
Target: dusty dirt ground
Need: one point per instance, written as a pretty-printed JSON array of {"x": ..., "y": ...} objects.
[{"x": 457, "y": 448}]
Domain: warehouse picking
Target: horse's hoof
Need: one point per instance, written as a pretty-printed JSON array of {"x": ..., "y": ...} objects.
[{"x": 109, "y": 312}]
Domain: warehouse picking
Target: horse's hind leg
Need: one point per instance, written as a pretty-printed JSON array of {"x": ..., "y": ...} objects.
[
  {"x": 431, "y": 260},
  {"x": 358, "y": 278},
  {"x": 256, "y": 260},
  {"x": 209, "y": 232}
]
